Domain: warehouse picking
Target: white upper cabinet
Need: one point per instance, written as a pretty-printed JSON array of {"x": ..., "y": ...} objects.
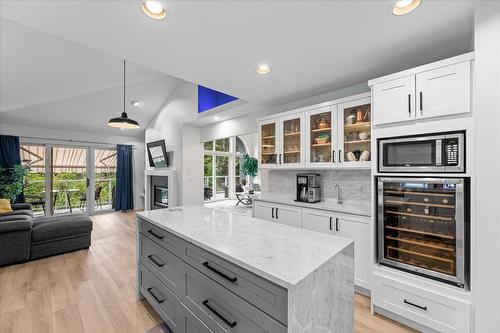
[
  {"x": 444, "y": 91},
  {"x": 439, "y": 89},
  {"x": 321, "y": 137},
  {"x": 269, "y": 144},
  {"x": 394, "y": 101},
  {"x": 291, "y": 153}
]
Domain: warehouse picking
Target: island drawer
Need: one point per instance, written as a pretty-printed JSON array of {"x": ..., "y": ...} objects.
[
  {"x": 162, "y": 299},
  {"x": 167, "y": 240},
  {"x": 223, "y": 311},
  {"x": 164, "y": 264},
  {"x": 262, "y": 293},
  {"x": 192, "y": 324}
]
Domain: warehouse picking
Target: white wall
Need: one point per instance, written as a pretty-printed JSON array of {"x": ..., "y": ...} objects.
[
  {"x": 180, "y": 108},
  {"x": 248, "y": 124},
  {"x": 486, "y": 292},
  {"x": 192, "y": 155},
  {"x": 57, "y": 136}
]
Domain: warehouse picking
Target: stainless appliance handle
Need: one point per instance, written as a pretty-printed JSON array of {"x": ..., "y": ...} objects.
[{"x": 439, "y": 151}]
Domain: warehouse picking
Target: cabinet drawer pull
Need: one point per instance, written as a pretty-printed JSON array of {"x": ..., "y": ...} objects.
[
  {"x": 277, "y": 213},
  {"x": 156, "y": 261},
  {"x": 272, "y": 212},
  {"x": 157, "y": 235},
  {"x": 228, "y": 323},
  {"x": 230, "y": 279},
  {"x": 336, "y": 224},
  {"x": 153, "y": 293},
  {"x": 415, "y": 305},
  {"x": 331, "y": 218}
]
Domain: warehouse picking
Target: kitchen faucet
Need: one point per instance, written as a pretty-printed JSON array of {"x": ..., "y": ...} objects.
[{"x": 338, "y": 188}]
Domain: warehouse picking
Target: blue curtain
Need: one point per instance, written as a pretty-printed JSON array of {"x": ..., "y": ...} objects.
[
  {"x": 10, "y": 155},
  {"x": 124, "y": 178},
  {"x": 9, "y": 151}
]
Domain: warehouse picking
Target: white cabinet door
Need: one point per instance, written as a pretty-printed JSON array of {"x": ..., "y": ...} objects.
[
  {"x": 269, "y": 135},
  {"x": 444, "y": 91},
  {"x": 321, "y": 137},
  {"x": 291, "y": 152},
  {"x": 263, "y": 210},
  {"x": 317, "y": 220},
  {"x": 394, "y": 101},
  {"x": 357, "y": 228},
  {"x": 288, "y": 215}
]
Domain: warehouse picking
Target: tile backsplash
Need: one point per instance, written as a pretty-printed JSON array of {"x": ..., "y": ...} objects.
[{"x": 355, "y": 184}]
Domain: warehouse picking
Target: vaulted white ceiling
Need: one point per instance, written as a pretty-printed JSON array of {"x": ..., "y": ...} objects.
[
  {"x": 312, "y": 46},
  {"x": 51, "y": 82}
]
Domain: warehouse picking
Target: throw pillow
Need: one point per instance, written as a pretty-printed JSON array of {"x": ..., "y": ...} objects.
[{"x": 5, "y": 206}]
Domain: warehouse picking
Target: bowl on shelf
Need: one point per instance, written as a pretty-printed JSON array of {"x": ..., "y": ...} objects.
[{"x": 363, "y": 135}]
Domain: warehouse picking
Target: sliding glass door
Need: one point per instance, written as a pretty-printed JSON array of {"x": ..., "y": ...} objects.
[{"x": 69, "y": 179}]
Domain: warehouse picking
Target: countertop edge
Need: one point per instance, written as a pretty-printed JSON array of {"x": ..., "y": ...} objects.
[
  {"x": 282, "y": 283},
  {"x": 312, "y": 206}
]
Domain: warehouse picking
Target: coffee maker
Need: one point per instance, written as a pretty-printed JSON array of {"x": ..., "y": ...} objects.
[{"x": 308, "y": 189}]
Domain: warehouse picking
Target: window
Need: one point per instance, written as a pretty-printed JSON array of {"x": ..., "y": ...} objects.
[{"x": 222, "y": 177}]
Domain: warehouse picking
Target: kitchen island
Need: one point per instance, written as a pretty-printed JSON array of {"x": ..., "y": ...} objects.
[{"x": 205, "y": 269}]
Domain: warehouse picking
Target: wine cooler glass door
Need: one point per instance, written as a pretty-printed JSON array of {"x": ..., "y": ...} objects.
[{"x": 421, "y": 226}]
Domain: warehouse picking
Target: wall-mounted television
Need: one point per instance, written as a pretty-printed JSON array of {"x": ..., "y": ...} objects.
[{"x": 157, "y": 153}]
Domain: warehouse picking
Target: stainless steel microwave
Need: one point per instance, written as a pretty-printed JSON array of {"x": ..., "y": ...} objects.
[{"x": 440, "y": 152}]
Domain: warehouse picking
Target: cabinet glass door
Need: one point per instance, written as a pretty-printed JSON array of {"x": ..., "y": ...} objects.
[
  {"x": 292, "y": 142},
  {"x": 268, "y": 133},
  {"x": 356, "y": 120},
  {"x": 421, "y": 225},
  {"x": 320, "y": 137}
]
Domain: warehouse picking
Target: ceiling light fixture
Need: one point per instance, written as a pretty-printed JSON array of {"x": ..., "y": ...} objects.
[
  {"x": 123, "y": 121},
  {"x": 402, "y": 7},
  {"x": 154, "y": 9},
  {"x": 263, "y": 69},
  {"x": 216, "y": 118},
  {"x": 135, "y": 103}
]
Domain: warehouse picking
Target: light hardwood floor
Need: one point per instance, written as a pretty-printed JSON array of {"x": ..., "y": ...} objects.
[{"x": 93, "y": 290}]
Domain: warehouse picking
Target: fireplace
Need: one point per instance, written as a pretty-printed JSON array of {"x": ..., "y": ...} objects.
[{"x": 159, "y": 192}]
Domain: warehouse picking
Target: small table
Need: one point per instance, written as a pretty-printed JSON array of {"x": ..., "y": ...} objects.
[
  {"x": 68, "y": 192},
  {"x": 244, "y": 198}
]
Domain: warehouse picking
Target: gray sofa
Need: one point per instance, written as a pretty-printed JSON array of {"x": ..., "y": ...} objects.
[{"x": 24, "y": 238}]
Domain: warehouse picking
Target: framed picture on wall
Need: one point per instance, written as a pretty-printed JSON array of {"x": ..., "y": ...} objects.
[{"x": 157, "y": 154}]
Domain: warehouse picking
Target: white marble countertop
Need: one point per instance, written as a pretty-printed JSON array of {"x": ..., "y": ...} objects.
[
  {"x": 358, "y": 208},
  {"x": 282, "y": 254}
]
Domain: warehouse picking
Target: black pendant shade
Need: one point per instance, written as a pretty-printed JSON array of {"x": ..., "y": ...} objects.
[{"x": 123, "y": 121}]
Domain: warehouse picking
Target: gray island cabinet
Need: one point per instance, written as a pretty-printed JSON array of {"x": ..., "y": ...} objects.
[{"x": 209, "y": 270}]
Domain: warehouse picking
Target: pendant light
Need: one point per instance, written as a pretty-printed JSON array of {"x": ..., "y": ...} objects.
[{"x": 123, "y": 121}]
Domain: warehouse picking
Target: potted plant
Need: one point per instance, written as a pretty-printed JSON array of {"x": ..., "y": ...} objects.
[
  {"x": 249, "y": 167},
  {"x": 11, "y": 181}
]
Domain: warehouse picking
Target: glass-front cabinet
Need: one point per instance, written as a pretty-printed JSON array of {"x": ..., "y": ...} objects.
[
  {"x": 355, "y": 129},
  {"x": 321, "y": 136},
  {"x": 268, "y": 134},
  {"x": 422, "y": 226},
  {"x": 292, "y": 152}
]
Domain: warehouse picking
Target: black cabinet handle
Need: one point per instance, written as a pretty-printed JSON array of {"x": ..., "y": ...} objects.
[
  {"x": 333, "y": 156},
  {"x": 336, "y": 224},
  {"x": 331, "y": 218},
  {"x": 230, "y": 279},
  {"x": 275, "y": 158},
  {"x": 156, "y": 261},
  {"x": 277, "y": 213},
  {"x": 421, "y": 107},
  {"x": 157, "y": 235},
  {"x": 280, "y": 159},
  {"x": 153, "y": 293},
  {"x": 227, "y": 322},
  {"x": 272, "y": 212},
  {"x": 409, "y": 103},
  {"x": 340, "y": 155},
  {"x": 415, "y": 305}
]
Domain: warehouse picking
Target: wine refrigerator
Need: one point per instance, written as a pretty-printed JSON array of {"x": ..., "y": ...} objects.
[{"x": 423, "y": 226}]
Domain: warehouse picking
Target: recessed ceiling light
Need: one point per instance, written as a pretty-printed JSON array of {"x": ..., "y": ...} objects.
[
  {"x": 216, "y": 118},
  {"x": 154, "y": 9},
  {"x": 135, "y": 103},
  {"x": 263, "y": 69},
  {"x": 402, "y": 7}
]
